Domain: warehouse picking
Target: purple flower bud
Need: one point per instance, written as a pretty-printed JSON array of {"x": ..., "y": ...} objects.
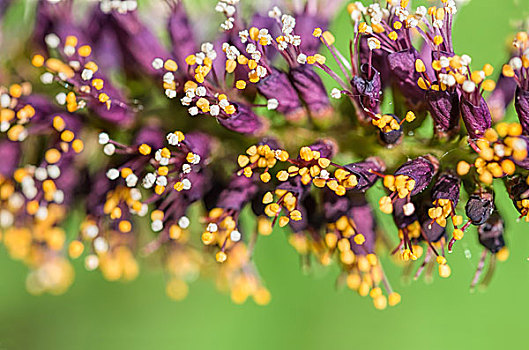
[
  {"x": 10, "y": 155},
  {"x": 391, "y": 138},
  {"x": 421, "y": 169},
  {"x": 239, "y": 192},
  {"x": 277, "y": 85},
  {"x": 367, "y": 89},
  {"x": 502, "y": 96},
  {"x": 490, "y": 234},
  {"x": 243, "y": 121},
  {"x": 444, "y": 109},
  {"x": 364, "y": 172},
  {"x": 479, "y": 207},
  {"x": 181, "y": 33},
  {"x": 404, "y": 76},
  {"x": 521, "y": 104},
  {"x": 311, "y": 89},
  {"x": 432, "y": 230},
  {"x": 477, "y": 118},
  {"x": 447, "y": 186}
]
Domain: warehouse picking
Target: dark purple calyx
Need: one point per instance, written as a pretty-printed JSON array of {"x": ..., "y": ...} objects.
[
  {"x": 367, "y": 88},
  {"x": 447, "y": 186},
  {"x": 479, "y": 207},
  {"x": 311, "y": 89},
  {"x": 477, "y": 118},
  {"x": 490, "y": 234},
  {"x": 239, "y": 192},
  {"x": 521, "y": 104},
  {"x": 444, "y": 109},
  {"x": 277, "y": 85},
  {"x": 404, "y": 76},
  {"x": 431, "y": 229},
  {"x": 391, "y": 138},
  {"x": 364, "y": 172},
  {"x": 421, "y": 169},
  {"x": 243, "y": 121}
]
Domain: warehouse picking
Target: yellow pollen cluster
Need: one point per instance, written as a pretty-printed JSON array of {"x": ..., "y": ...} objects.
[{"x": 497, "y": 150}]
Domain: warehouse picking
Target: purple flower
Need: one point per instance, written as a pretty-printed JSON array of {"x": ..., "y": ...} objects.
[
  {"x": 421, "y": 170},
  {"x": 311, "y": 90},
  {"x": 477, "y": 118},
  {"x": 444, "y": 109},
  {"x": 367, "y": 89},
  {"x": 479, "y": 207},
  {"x": 447, "y": 187},
  {"x": 366, "y": 172},
  {"x": 139, "y": 45},
  {"x": 288, "y": 100},
  {"x": 243, "y": 121},
  {"x": 404, "y": 76},
  {"x": 237, "y": 194},
  {"x": 490, "y": 234}
]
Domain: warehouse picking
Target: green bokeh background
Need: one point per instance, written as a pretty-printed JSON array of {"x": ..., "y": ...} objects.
[{"x": 307, "y": 311}]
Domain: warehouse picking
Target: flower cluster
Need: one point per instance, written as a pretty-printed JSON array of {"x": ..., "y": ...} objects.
[{"x": 118, "y": 148}]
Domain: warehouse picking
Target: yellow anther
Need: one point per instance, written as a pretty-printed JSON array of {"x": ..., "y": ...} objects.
[
  {"x": 265, "y": 177},
  {"x": 458, "y": 234},
  {"x": 52, "y": 156},
  {"x": 463, "y": 168},
  {"x": 444, "y": 271},
  {"x": 84, "y": 51},
  {"x": 70, "y": 41},
  {"x": 488, "y": 85},
  {"x": 125, "y": 226},
  {"x": 283, "y": 221},
  {"x": 75, "y": 249},
  {"x": 441, "y": 260},
  {"x": 240, "y": 84},
  {"x": 37, "y": 60},
  {"x": 144, "y": 149},
  {"x": 170, "y": 65},
  {"x": 419, "y": 66},
  {"x": 328, "y": 37},
  {"x": 317, "y": 32}
]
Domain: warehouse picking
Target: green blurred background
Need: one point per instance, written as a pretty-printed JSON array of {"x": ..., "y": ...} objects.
[{"x": 307, "y": 311}]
